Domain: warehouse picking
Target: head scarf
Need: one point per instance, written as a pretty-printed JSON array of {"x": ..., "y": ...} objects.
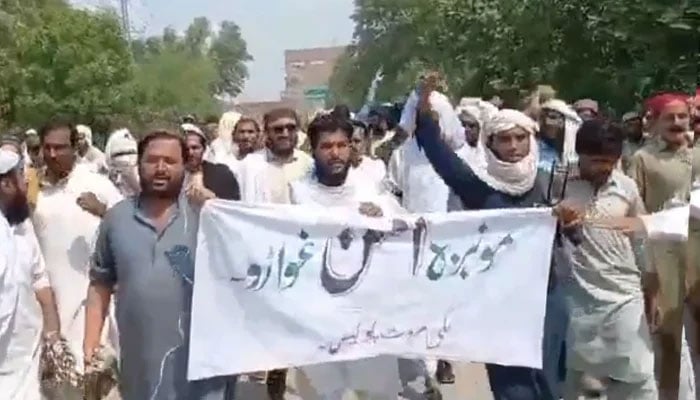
[
  {"x": 86, "y": 132},
  {"x": 473, "y": 111},
  {"x": 572, "y": 122},
  {"x": 511, "y": 178},
  {"x": 586, "y": 104},
  {"x": 227, "y": 123},
  {"x": 480, "y": 109},
  {"x": 656, "y": 104},
  {"x": 450, "y": 125},
  {"x": 120, "y": 143},
  {"x": 8, "y": 161},
  {"x": 122, "y": 159}
]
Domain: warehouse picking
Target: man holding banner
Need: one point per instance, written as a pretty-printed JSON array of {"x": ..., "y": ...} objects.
[{"x": 328, "y": 186}]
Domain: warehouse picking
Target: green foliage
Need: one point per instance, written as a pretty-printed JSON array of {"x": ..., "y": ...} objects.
[
  {"x": 177, "y": 75},
  {"x": 56, "y": 59},
  {"x": 612, "y": 50},
  {"x": 229, "y": 53},
  {"x": 172, "y": 83}
]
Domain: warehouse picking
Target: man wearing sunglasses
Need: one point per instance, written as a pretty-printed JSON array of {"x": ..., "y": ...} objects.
[{"x": 265, "y": 175}]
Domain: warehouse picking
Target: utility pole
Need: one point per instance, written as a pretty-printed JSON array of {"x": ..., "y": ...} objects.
[{"x": 126, "y": 24}]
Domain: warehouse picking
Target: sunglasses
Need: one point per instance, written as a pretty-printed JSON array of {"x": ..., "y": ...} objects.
[{"x": 282, "y": 128}]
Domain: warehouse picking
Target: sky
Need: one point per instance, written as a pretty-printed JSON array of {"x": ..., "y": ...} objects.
[{"x": 268, "y": 26}]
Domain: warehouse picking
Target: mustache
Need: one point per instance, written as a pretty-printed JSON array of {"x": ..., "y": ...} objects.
[{"x": 677, "y": 129}]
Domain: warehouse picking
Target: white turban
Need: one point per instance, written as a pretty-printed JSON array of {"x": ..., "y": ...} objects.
[
  {"x": 514, "y": 179},
  {"x": 572, "y": 122},
  {"x": 86, "y": 131},
  {"x": 473, "y": 110},
  {"x": 120, "y": 142},
  {"x": 224, "y": 140},
  {"x": 507, "y": 119},
  {"x": 8, "y": 161},
  {"x": 191, "y": 128}
]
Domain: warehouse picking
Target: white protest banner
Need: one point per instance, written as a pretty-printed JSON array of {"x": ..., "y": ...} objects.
[{"x": 282, "y": 286}]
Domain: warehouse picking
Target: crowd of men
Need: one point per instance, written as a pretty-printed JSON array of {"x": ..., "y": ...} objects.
[{"x": 97, "y": 249}]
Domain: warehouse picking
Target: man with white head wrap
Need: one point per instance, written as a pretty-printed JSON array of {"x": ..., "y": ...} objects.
[
  {"x": 222, "y": 147},
  {"x": 87, "y": 152},
  {"x": 8, "y": 261},
  {"x": 557, "y": 136},
  {"x": 509, "y": 178},
  {"x": 36, "y": 318},
  {"x": 472, "y": 117},
  {"x": 121, "y": 151}
]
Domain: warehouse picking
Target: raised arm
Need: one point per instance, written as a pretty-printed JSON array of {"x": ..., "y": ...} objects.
[{"x": 453, "y": 170}]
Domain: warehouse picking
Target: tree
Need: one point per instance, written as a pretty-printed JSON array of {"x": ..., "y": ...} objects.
[
  {"x": 172, "y": 83},
  {"x": 197, "y": 54},
  {"x": 197, "y": 35},
  {"x": 612, "y": 50},
  {"x": 57, "y": 59},
  {"x": 229, "y": 52}
]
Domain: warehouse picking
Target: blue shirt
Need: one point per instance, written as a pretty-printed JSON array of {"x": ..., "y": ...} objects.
[{"x": 154, "y": 273}]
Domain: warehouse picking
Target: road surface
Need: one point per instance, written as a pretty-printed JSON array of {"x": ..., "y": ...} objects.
[{"x": 471, "y": 383}]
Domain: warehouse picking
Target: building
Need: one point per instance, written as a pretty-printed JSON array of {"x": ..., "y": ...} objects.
[{"x": 308, "y": 73}]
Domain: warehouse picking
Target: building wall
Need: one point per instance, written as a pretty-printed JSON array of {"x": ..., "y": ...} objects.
[
  {"x": 304, "y": 69},
  {"x": 309, "y": 69}
]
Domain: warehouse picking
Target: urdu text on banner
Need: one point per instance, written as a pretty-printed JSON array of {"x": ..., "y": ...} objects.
[{"x": 282, "y": 286}]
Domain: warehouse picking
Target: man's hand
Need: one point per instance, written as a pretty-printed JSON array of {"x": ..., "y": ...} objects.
[
  {"x": 370, "y": 210},
  {"x": 569, "y": 216},
  {"x": 650, "y": 288},
  {"x": 199, "y": 194},
  {"x": 427, "y": 86},
  {"x": 89, "y": 202}
]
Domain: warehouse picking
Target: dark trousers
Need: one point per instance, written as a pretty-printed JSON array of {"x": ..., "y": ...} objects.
[{"x": 519, "y": 383}]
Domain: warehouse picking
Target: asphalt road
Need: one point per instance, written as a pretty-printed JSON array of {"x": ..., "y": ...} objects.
[{"x": 471, "y": 383}]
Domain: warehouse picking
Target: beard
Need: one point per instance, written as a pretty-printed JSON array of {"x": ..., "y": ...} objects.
[
  {"x": 170, "y": 191},
  {"x": 330, "y": 175},
  {"x": 18, "y": 210}
]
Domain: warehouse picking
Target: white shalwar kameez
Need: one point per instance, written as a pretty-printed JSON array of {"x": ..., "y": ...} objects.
[
  {"x": 608, "y": 335},
  {"x": 67, "y": 234},
  {"x": 19, "y": 371},
  {"x": 370, "y": 170},
  {"x": 9, "y": 286},
  {"x": 373, "y": 378},
  {"x": 410, "y": 171},
  {"x": 264, "y": 179}
]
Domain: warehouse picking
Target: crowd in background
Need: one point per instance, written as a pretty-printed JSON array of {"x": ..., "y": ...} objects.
[{"x": 115, "y": 223}]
